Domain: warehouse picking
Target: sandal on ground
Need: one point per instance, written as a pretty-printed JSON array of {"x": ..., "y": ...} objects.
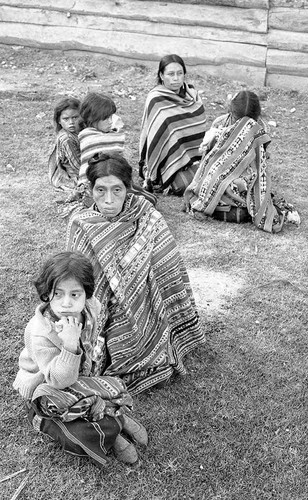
[
  {"x": 135, "y": 430},
  {"x": 124, "y": 450}
]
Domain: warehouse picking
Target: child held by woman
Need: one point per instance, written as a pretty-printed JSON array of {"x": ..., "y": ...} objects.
[
  {"x": 101, "y": 131},
  {"x": 64, "y": 399}
]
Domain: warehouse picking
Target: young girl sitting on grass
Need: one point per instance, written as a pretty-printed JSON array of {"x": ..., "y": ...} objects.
[
  {"x": 101, "y": 131},
  {"x": 82, "y": 412},
  {"x": 64, "y": 161}
]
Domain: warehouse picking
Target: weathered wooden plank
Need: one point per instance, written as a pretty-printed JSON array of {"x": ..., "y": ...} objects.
[
  {"x": 297, "y": 4},
  {"x": 287, "y": 82},
  {"x": 250, "y": 75},
  {"x": 217, "y": 39},
  {"x": 134, "y": 45},
  {"x": 287, "y": 62},
  {"x": 56, "y": 18},
  {"x": 254, "y": 20},
  {"x": 289, "y": 19},
  {"x": 287, "y": 40},
  {"x": 244, "y": 4}
]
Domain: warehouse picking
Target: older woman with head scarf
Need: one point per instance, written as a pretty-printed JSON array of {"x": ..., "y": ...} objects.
[
  {"x": 172, "y": 128},
  {"x": 149, "y": 320}
]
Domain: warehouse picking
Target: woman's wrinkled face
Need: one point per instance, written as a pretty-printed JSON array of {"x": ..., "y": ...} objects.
[
  {"x": 109, "y": 194},
  {"x": 173, "y": 77}
]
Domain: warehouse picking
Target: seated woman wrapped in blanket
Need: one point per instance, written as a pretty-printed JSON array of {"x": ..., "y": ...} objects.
[
  {"x": 85, "y": 414},
  {"x": 149, "y": 321},
  {"x": 232, "y": 182},
  {"x": 173, "y": 126}
]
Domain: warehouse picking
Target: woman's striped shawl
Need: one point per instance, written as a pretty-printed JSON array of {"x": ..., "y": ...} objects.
[
  {"x": 239, "y": 147},
  {"x": 171, "y": 133},
  {"x": 149, "y": 321},
  {"x": 93, "y": 141}
]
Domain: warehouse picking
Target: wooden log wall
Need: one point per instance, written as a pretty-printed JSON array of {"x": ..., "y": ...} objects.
[
  {"x": 287, "y": 54},
  {"x": 259, "y": 42}
]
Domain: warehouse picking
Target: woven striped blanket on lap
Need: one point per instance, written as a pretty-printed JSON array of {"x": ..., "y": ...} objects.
[
  {"x": 88, "y": 397},
  {"x": 85, "y": 418},
  {"x": 171, "y": 133},
  {"x": 149, "y": 320}
]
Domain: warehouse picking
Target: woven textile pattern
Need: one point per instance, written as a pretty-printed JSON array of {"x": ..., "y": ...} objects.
[
  {"x": 171, "y": 132},
  {"x": 84, "y": 418},
  {"x": 88, "y": 397},
  {"x": 93, "y": 141},
  {"x": 149, "y": 319},
  {"x": 238, "y": 153},
  {"x": 64, "y": 161}
]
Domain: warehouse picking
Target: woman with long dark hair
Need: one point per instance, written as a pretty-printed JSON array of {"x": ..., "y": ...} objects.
[{"x": 172, "y": 128}]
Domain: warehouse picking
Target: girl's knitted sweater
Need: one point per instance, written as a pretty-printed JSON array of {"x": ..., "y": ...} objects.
[{"x": 44, "y": 359}]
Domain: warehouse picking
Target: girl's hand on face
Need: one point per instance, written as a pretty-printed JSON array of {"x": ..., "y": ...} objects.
[{"x": 70, "y": 333}]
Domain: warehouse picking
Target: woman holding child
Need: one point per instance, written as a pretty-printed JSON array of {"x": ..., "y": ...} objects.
[{"x": 149, "y": 320}]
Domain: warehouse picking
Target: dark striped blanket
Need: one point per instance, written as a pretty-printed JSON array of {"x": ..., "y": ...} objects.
[
  {"x": 94, "y": 141},
  {"x": 171, "y": 133}
]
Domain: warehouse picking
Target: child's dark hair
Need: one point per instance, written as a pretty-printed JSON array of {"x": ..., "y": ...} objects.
[
  {"x": 66, "y": 103},
  {"x": 95, "y": 107},
  {"x": 104, "y": 164},
  {"x": 245, "y": 103},
  {"x": 62, "y": 266}
]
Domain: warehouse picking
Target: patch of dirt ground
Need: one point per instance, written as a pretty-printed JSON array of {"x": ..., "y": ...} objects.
[{"x": 211, "y": 289}]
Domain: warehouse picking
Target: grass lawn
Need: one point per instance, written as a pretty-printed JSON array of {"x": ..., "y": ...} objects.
[{"x": 235, "y": 428}]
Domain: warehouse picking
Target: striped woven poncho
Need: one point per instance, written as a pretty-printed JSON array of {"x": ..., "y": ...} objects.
[
  {"x": 149, "y": 321},
  {"x": 171, "y": 133},
  {"x": 94, "y": 141}
]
